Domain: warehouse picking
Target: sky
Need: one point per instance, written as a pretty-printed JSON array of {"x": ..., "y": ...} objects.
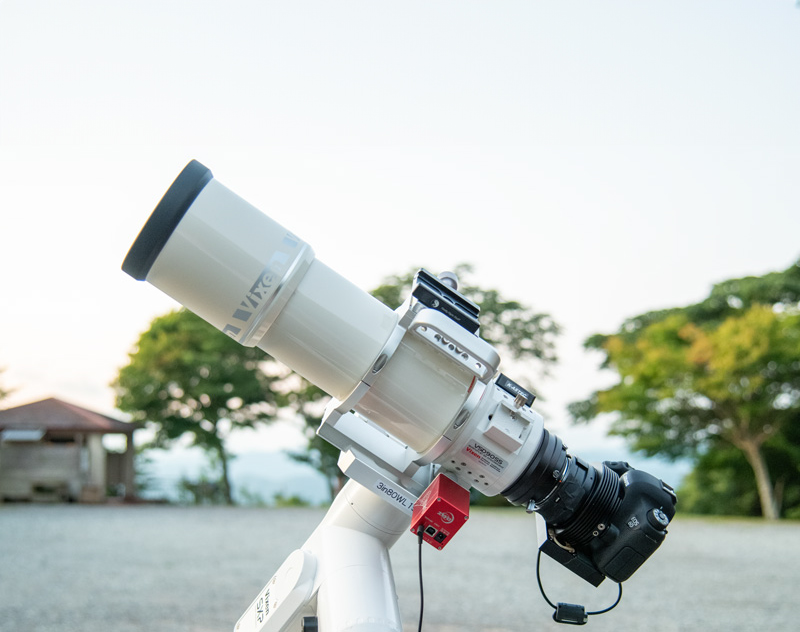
[{"x": 592, "y": 160}]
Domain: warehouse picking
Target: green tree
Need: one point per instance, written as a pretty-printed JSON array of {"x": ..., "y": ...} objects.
[
  {"x": 717, "y": 376},
  {"x": 516, "y": 330},
  {"x": 191, "y": 380},
  {"x": 722, "y": 483}
]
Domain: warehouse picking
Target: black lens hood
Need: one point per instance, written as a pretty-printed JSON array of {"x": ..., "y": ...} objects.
[{"x": 165, "y": 219}]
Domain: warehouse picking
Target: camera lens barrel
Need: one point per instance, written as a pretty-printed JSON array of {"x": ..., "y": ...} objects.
[
  {"x": 543, "y": 473},
  {"x": 572, "y": 496},
  {"x": 595, "y": 495}
]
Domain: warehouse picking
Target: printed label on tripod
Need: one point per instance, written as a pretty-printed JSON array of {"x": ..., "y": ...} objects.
[
  {"x": 485, "y": 456},
  {"x": 395, "y": 495},
  {"x": 265, "y": 603},
  {"x": 283, "y": 597}
]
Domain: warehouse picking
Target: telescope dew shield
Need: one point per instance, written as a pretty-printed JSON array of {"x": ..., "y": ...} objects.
[{"x": 255, "y": 281}]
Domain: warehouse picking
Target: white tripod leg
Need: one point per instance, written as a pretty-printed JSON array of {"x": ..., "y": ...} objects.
[
  {"x": 342, "y": 574},
  {"x": 356, "y": 591}
]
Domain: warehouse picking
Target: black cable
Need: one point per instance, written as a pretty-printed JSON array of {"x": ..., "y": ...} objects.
[
  {"x": 420, "y": 531},
  {"x": 612, "y": 606},
  {"x": 555, "y": 607},
  {"x": 539, "y": 580}
]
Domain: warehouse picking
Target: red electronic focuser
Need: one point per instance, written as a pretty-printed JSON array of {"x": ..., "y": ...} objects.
[{"x": 442, "y": 510}]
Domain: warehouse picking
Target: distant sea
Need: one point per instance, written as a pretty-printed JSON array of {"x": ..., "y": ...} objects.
[
  {"x": 255, "y": 477},
  {"x": 260, "y": 476}
]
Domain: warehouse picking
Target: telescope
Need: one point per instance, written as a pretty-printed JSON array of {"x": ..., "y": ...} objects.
[{"x": 419, "y": 410}]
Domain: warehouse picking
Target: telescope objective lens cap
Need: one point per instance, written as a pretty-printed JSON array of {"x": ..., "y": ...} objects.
[{"x": 165, "y": 219}]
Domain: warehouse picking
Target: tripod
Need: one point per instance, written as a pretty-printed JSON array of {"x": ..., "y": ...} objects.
[{"x": 342, "y": 574}]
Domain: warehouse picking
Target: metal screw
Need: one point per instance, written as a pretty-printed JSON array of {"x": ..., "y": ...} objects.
[{"x": 449, "y": 279}]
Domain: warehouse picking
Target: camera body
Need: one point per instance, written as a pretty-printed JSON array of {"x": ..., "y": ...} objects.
[
  {"x": 637, "y": 513},
  {"x": 638, "y": 527},
  {"x": 415, "y": 391}
]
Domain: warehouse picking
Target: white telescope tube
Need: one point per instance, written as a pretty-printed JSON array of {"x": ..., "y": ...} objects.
[{"x": 249, "y": 277}]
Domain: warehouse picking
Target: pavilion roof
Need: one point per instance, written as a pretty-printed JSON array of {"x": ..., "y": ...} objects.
[{"x": 56, "y": 415}]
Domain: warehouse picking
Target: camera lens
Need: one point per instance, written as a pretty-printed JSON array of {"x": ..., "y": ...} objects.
[
  {"x": 574, "y": 498},
  {"x": 542, "y": 474}
]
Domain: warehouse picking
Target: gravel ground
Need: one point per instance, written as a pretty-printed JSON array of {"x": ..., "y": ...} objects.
[{"x": 135, "y": 568}]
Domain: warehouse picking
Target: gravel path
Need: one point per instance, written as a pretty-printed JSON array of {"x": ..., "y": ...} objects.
[{"x": 136, "y": 568}]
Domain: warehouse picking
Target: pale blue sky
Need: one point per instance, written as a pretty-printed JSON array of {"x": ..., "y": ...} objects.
[{"x": 593, "y": 159}]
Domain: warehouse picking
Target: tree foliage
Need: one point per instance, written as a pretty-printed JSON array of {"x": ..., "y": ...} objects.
[
  {"x": 195, "y": 382},
  {"x": 516, "y": 330},
  {"x": 519, "y": 331},
  {"x": 721, "y": 483},
  {"x": 716, "y": 378}
]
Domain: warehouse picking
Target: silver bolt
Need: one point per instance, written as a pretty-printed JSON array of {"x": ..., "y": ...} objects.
[{"x": 449, "y": 279}]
